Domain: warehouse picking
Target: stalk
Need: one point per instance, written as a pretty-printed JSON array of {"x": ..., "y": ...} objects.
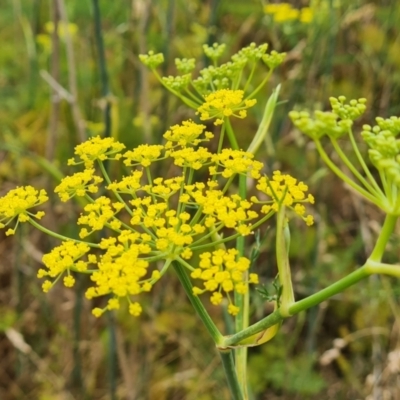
[
  {"x": 242, "y": 301},
  {"x": 197, "y": 304},
  {"x": 230, "y": 373}
]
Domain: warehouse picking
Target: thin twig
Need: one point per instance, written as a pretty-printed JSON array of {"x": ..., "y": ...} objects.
[
  {"x": 18, "y": 341},
  {"x": 72, "y": 82},
  {"x": 142, "y": 14},
  {"x": 58, "y": 90},
  {"x": 105, "y": 88},
  {"x": 55, "y": 72}
]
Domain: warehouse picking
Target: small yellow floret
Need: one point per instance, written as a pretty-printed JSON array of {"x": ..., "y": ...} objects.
[
  {"x": 224, "y": 103},
  {"x": 135, "y": 309}
]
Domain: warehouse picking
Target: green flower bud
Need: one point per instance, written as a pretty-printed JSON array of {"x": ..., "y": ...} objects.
[
  {"x": 352, "y": 111},
  {"x": 185, "y": 65},
  {"x": 251, "y": 53},
  {"x": 177, "y": 83},
  {"x": 215, "y": 51},
  {"x": 274, "y": 59},
  {"x": 151, "y": 60}
]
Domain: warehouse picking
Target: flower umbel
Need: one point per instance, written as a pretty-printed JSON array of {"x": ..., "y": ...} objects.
[
  {"x": 97, "y": 148},
  {"x": 284, "y": 191},
  {"x": 15, "y": 204},
  {"x": 224, "y": 103},
  {"x": 223, "y": 271}
]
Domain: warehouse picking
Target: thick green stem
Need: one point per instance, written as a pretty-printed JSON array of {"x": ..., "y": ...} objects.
[
  {"x": 242, "y": 301},
  {"x": 386, "y": 231},
  {"x": 198, "y": 305},
  {"x": 231, "y": 135},
  {"x": 282, "y": 258},
  {"x": 230, "y": 373},
  {"x": 329, "y": 291},
  {"x": 371, "y": 267},
  {"x": 259, "y": 326}
]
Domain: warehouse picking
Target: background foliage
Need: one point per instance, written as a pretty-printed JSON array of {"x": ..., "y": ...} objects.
[{"x": 55, "y": 90}]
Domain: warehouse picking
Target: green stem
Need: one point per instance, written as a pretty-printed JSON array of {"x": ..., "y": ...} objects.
[
  {"x": 231, "y": 135},
  {"x": 364, "y": 165},
  {"x": 345, "y": 178},
  {"x": 260, "y": 86},
  {"x": 57, "y": 236},
  {"x": 230, "y": 373},
  {"x": 329, "y": 291},
  {"x": 259, "y": 326},
  {"x": 242, "y": 301},
  {"x": 185, "y": 99},
  {"x": 285, "y": 278},
  {"x": 250, "y": 76},
  {"x": 197, "y": 304},
  {"x": 369, "y": 268},
  {"x": 386, "y": 231},
  {"x": 348, "y": 163},
  {"x": 221, "y": 139},
  {"x": 185, "y": 264},
  {"x": 373, "y": 267}
]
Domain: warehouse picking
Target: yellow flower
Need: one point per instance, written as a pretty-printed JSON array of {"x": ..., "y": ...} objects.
[
  {"x": 274, "y": 8},
  {"x": 129, "y": 184},
  {"x": 284, "y": 190},
  {"x": 222, "y": 270},
  {"x": 63, "y": 258},
  {"x": 63, "y": 28},
  {"x": 282, "y": 12},
  {"x": 99, "y": 214},
  {"x": 97, "y": 148},
  {"x": 135, "y": 309},
  {"x": 287, "y": 14},
  {"x": 186, "y": 134},
  {"x": 229, "y": 211},
  {"x": 16, "y": 204},
  {"x": 306, "y": 15},
  {"x": 191, "y": 158},
  {"x": 224, "y": 103},
  {"x": 144, "y": 155},
  {"x": 236, "y": 162},
  {"x": 78, "y": 185}
]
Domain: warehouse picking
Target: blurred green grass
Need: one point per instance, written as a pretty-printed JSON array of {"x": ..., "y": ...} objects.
[{"x": 349, "y": 48}]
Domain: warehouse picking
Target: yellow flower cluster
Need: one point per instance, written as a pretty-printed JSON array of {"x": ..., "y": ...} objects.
[
  {"x": 97, "y": 148},
  {"x": 222, "y": 270},
  {"x": 78, "y": 184},
  {"x": 101, "y": 213},
  {"x": 16, "y": 204},
  {"x": 187, "y": 134},
  {"x": 220, "y": 210},
  {"x": 121, "y": 272},
  {"x": 191, "y": 158},
  {"x": 283, "y": 12},
  {"x": 285, "y": 190},
  {"x": 224, "y": 103},
  {"x": 144, "y": 155},
  {"x": 128, "y": 184},
  {"x": 165, "y": 219},
  {"x": 236, "y": 162},
  {"x": 65, "y": 257}
]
